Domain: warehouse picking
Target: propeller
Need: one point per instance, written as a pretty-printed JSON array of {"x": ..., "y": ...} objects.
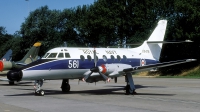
[{"x": 100, "y": 70}]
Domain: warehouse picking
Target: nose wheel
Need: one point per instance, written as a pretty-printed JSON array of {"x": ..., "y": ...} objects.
[
  {"x": 39, "y": 93},
  {"x": 37, "y": 86}
]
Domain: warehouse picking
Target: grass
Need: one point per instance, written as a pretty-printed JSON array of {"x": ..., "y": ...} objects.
[{"x": 193, "y": 73}]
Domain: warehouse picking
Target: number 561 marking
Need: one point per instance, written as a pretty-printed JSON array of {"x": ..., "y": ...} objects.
[{"x": 73, "y": 64}]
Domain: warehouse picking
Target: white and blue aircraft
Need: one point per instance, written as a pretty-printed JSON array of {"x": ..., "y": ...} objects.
[{"x": 92, "y": 65}]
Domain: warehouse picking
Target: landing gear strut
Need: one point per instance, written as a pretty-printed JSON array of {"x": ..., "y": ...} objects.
[
  {"x": 37, "y": 85},
  {"x": 65, "y": 85},
  {"x": 130, "y": 87}
]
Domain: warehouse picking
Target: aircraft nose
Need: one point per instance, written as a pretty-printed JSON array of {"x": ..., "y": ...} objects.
[{"x": 14, "y": 75}]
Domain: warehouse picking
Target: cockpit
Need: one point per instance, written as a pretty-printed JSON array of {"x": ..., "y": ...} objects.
[{"x": 56, "y": 55}]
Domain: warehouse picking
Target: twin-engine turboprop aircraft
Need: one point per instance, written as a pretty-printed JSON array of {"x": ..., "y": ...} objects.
[{"x": 92, "y": 65}]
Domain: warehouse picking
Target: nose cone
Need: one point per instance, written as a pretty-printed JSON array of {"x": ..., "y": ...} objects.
[{"x": 14, "y": 75}]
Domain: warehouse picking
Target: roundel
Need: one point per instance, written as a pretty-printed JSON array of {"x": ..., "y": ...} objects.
[{"x": 142, "y": 62}]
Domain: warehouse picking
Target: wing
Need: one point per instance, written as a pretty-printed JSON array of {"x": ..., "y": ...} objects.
[{"x": 158, "y": 65}]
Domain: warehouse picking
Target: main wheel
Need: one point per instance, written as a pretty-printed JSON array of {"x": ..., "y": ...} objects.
[
  {"x": 127, "y": 88},
  {"x": 11, "y": 83},
  {"x": 65, "y": 87}
]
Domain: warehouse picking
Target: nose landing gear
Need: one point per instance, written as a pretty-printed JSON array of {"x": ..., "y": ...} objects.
[{"x": 37, "y": 86}]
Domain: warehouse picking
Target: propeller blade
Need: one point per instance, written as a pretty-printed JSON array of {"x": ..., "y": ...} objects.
[
  {"x": 86, "y": 77},
  {"x": 95, "y": 58},
  {"x": 104, "y": 77}
]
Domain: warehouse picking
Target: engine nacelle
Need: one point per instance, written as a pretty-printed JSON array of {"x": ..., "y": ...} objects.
[
  {"x": 14, "y": 75},
  {"x": 112, "y": 70}
]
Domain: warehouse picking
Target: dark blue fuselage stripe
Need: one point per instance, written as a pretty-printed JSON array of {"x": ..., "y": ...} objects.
[{"x": 43, "y": 64}]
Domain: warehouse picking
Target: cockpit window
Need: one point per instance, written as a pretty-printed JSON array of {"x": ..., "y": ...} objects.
[
  {"x": 67, "y": 55},
  {"x": 46, "y": 55},
  {"x": 60, "y": 55},
  {"x": 52, "y": 55}
]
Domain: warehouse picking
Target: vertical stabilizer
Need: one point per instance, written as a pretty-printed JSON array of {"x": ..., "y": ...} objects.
[
  {"x": 152, "y": 47},
  {"x": 7, "y": 56},
  {"x": 32, "y": 54}
]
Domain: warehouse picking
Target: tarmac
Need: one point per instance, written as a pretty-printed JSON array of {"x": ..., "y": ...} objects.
[{"x": 153, "y": 95}]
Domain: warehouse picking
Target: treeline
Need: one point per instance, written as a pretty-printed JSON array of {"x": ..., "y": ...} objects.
[{"x": 108, "y": 23}]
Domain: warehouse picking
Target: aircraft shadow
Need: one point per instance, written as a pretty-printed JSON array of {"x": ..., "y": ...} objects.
[
  {"x": 18, "y": 84},
  {"x": 139, "y": 86},
  {"x": 116, "y": 90}
]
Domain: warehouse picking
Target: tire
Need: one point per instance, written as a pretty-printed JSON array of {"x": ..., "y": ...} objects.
[{"x": 65, "y": 87}]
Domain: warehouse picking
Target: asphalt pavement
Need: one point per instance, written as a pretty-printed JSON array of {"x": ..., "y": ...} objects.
[{"x": 154, "y": 95}]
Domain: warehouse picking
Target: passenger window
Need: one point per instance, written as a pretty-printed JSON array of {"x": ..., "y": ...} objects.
[
  {"x": 118, "y": 57},
  {"x": 82, "y": 58},
  {"x": 60, "y": 55},
  {"x": 124, "y": 57},
  {"x": 67, "y": 55},
  {"x": 52, "y": 55},
  {"x": 45, "y": 56},
  {"x": 89, "y": 58},
  {"x": 104, "y": 58},
  {"x": 112, "y": 58}
]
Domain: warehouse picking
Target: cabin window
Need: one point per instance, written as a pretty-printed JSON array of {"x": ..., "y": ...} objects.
[
  {"x": 45, "y": 56},
  {"x": 89, "y": 58},
  {"x": 52, "y": 55},
  {"x": 104, "y": 58},
  {"x": 118, "y": 57},
  {"x": 112, "y": 58},
  {"x": 124, "y": 57},
  {"x": 60, "y": 55},
  {"x": 67, "y": 55},
  {"x": 82, "y": 58}
]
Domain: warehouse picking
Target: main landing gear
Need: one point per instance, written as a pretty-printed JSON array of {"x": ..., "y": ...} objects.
[
  {"x": 65, "y": 85},
  {"x": 130, "y": 87}
]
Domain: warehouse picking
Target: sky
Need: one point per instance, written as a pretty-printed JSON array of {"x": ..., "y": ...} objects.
[{"x": 14, "y": 12}]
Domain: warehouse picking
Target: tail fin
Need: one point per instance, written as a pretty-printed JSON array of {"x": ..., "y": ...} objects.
[
  {"x": 7, "y": 56},
  {"x": 32, "y": 54},
  {"x": 151, "y": 48}
]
